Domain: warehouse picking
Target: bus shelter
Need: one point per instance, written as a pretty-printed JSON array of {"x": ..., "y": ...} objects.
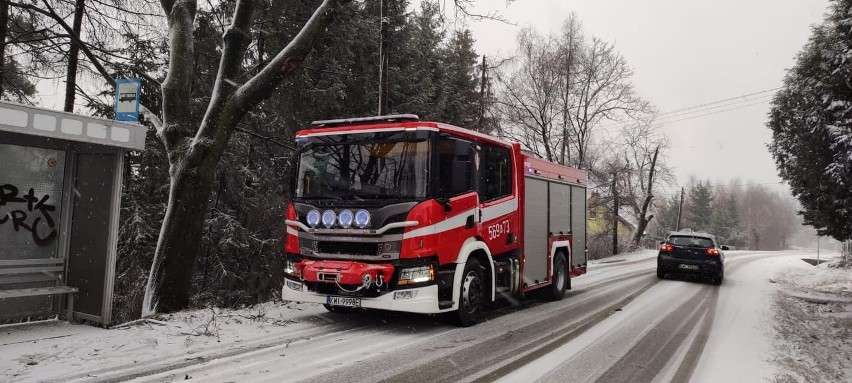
[{"x": 60, "y": 194}]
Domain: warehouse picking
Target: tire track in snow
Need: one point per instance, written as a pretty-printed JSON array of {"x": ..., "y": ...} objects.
[{"x": 660, "y": 338}]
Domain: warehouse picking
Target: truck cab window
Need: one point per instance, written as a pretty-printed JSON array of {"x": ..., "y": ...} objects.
[
  {"x": 457, "y": 167},
  {"x": 496, "y": 174}
]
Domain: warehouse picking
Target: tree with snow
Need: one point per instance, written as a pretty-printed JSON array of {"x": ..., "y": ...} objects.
[{"x": 811, "y": 122}]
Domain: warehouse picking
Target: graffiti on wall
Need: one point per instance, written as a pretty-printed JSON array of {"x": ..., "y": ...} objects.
[{"x": 31, "y": 213}]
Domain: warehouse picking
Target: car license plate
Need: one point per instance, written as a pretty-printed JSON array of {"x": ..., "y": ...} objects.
[
  {"x": 689, "y": 267},
  {"x": 343, "y": 301}
]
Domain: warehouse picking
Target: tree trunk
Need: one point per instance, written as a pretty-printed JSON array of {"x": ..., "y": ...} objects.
[
  {"x": 4, "y": 26},
  {"x": 74, "y": 57},
  {"x": 195, "y": 150},
  {"x": 170, "y": 281},
  {"x": 644, "y": 219}
]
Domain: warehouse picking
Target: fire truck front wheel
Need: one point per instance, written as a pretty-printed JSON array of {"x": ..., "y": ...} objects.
[
  {"x": 338, "y": 309},
  {"x": 561, "y": 280},
  {"x": 471, "y": 294}
]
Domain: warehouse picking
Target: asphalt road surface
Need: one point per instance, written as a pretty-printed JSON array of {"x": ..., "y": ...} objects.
[{"x": 619, "y": 323}]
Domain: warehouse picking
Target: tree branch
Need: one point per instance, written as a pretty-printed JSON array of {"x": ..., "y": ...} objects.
[{"x": 261, "y": 85}]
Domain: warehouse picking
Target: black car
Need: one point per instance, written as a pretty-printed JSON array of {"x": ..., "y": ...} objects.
[{"x": 692, "y": 253}]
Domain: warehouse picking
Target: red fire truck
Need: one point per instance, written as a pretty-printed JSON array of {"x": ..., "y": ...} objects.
[{"x": 399, "y": 214}]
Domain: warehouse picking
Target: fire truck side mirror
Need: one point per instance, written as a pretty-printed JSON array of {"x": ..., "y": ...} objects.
[{"x": 445, "y": 202}]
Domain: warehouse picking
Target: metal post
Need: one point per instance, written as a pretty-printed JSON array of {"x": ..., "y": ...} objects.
[
  {"x": 481, "y": 117},
  {"x": 614, "y": 216},
  {"x": 383, "y": 57},
  {"x": 679, "y": 210},
  {"x": 817, "y": 265}
]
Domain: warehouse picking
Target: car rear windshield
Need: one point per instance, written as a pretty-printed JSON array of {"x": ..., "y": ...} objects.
[{"x": 691, "y": 241}]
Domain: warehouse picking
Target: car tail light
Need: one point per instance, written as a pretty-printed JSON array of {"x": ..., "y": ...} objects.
[
  {"x": 666, "y": 247},
  {"x": 711, "y": 252}
]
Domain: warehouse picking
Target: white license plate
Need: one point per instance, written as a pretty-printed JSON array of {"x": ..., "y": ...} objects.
[
  {"x": 343, "y": 301},
  {"x": 689, "y": 267}
]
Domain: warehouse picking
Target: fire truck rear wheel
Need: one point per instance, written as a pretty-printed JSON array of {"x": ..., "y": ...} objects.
[
  {"x": 471, "y": 294},
  {"x": 561, "y": 280}
]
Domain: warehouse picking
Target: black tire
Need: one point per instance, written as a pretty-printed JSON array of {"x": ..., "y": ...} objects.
[
  {"x": 660, "y": 273},
  {"x": 338, "y": 309},
  {"x": 561, "y": 279},
  {"x": 471, "y": 295},
  {"x": 718, "y": 279}
]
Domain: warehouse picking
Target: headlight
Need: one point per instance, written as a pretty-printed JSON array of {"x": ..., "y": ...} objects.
[
  {"x": 328, "y": 218},
  {"x": 345, "y": 218},
  {"x": 313, "y": 218},
  {"x": 290, "y": 266},
  {"x": 416, "y": 275},
  {"x": 362, "y": 218}
]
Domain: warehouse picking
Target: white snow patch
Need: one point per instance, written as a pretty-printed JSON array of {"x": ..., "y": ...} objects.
[{"x": 813, "y": 321}]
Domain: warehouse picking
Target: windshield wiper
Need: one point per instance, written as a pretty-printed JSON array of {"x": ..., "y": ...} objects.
[{"x": 313, "y": 197}]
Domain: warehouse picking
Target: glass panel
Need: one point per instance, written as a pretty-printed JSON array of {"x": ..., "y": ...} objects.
[
  {"x": 691, "y": 241},
  {"x": 88, "y": 252},
  {"x": 496, "y": 174},
  {"x": 395, "y": 169},
  {"x": 30, "y": 201},
  {"x": 30, "y": 208}
]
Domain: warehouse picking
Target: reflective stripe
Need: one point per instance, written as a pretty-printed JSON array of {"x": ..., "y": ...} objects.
[
  {"x": 440, "y": 227},
  {"x": 500, "y": 209}
]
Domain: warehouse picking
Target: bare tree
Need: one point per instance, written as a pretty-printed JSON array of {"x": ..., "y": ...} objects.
[
  {"x": 561, "y": 89},
  {"x": 530, "y": 95},
  {"x": 640, "y": 148}
]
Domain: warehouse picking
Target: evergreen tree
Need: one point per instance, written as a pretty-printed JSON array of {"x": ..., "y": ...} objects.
[
  {"x": 725, "y": 222},
  {"x": 422, "y": 71},
  {"x": 811, "y": 122},
  {"x": 698, "y": 208},
  {"x": 461, "y": 93}
]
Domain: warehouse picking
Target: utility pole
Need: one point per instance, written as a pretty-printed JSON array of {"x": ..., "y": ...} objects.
[
  {"x": 679, "y": 210},
  {"x": 383, "y": 57},
  {"x": 614, "y": 216},
  {"x": 817, "y": 265}
]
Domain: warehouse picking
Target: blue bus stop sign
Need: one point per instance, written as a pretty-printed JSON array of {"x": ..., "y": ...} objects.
[{"x": 127, "y": 99}]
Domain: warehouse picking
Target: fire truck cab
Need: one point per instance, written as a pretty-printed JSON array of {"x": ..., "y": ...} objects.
[{"x": 399, "y": 214}]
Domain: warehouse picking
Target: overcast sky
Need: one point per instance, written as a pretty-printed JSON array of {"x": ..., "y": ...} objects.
[{"x": 687, "y": 53}]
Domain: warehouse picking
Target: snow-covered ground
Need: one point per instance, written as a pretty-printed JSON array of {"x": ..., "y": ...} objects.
[
  {"x": 775, "y": 317},
  {"x": 813, "y": 324}
]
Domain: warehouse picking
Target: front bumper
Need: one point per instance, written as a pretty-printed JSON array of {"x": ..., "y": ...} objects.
[{"x": 423, "y": 301}]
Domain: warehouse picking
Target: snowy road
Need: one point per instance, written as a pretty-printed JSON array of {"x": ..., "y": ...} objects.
[{"x": 620, "y": 323}]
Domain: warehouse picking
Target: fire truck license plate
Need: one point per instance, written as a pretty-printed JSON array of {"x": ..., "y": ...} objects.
[
  {"x": 689, "y": 267},
  {"x": 343, "y": 301}
]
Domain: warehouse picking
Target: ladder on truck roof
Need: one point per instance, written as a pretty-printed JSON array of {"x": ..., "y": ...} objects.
[{"x": 366, "y": 120}]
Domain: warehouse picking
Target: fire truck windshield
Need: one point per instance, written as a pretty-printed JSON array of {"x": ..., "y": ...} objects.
[{"x": 364, "y": 170}]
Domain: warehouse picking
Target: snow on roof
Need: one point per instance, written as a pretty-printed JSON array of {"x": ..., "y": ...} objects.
[{"x": 32, "y": 121}]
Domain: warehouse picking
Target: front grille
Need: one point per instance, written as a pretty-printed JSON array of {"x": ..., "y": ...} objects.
[{"x": 350, "y": 248}]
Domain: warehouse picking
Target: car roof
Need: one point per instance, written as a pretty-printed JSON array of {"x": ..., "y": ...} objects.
[{"x": 693, "y": 234}]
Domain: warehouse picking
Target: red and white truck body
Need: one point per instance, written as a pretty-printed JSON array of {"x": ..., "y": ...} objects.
[{"x": 400, "y": 214}]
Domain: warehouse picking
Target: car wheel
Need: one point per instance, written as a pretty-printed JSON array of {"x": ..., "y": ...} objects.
[
  {"x": 471, "y": 295},
  {"x": 561, "y": 280},
  {"x": 718, "y": 279},
  {"x": 660, "y": 273}
]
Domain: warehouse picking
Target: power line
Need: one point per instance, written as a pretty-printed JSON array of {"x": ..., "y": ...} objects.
[
  {"x": 724, "y": 103},
  {"x": 716, "y": 112},
  {"x": 766, "y": 97},
  {"x": 720, "y": 101}
]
